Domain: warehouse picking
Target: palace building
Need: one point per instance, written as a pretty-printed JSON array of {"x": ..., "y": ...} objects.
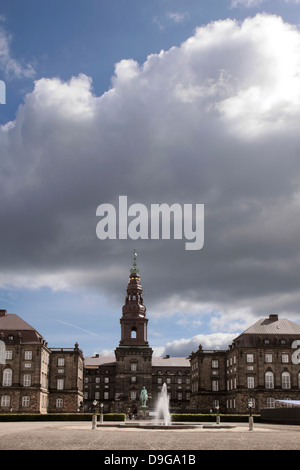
[
  {"x": 261, "y": 366},
  {"x": 35, "y": 378},
  {"x": 118, "y": 380}
]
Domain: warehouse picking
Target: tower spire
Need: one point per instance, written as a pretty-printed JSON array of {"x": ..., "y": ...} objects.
[
  {"x": 134, "y": 268},
  {"x": 134, "y": 321}
]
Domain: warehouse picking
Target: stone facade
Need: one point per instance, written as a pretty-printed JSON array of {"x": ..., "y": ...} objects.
[
  {"x": 29, "y": 378},
  {"x": 260, "y": 367},
  {"x": 117, "y": 381}
]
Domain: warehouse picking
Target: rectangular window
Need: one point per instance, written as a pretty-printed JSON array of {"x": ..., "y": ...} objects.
[
  {"x": 28, "y": 355},
  {"x": 27, "y": 380},
  {"x": 60, "y": 384},
  {"x": 61, "y": 361},
  {"x": 215, "y": 385},
  {"x": 268, "y": 357},
  {"x": 132, "y": 395},
  {"x": 7, "y": 378},
  {"x": 8, "y": 354},
  {"x": 106, "y": 395},
  {"x": 250, "y": 382},
  {"x": 284, "y": 358},
  {"x": 249, "y": 357},
  {"x": 214, "y": 364}
]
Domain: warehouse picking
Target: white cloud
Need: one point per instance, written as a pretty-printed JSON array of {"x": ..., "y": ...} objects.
[
  {"x": 184, "y": 347},
  {"x": 246, "y": 3},
  {"x": 214, "y": 121},
  {"x": 178, "y": 17},
  {"x": 8, "y": 64}
]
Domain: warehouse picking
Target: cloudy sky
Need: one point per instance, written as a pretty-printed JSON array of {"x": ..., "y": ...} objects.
[{"x": 168, "y": 101}]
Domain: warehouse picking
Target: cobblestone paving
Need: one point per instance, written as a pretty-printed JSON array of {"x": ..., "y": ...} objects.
[{"x": 81, "y": 436}]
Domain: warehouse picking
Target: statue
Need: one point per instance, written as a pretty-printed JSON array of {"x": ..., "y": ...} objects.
[{"x": 144, "y": 396}]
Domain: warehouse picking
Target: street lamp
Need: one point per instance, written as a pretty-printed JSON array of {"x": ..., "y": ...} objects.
[
  {"x": 94, "y": 419},
  {"x": 101, "y": 412},
  {"x": 250, "y": 416},
  {"x": 218, "y": 415}
]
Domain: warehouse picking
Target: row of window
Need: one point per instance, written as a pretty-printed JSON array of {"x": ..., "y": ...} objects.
[
  {"x": 270, "y": 403},
  {"x": 269, "y": 380},
  {"x": 25, "y": 401},
  {"x": 28, "y": 357},
  {"x": 285, "y": 358},
  {"x": 7, "y": 380}
]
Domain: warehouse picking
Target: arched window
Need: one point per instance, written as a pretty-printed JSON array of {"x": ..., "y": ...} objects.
[
  {"x": 59, "y": 403},
  {"x": 133, "y": 333},
  {"x": 25, "y": 401},
  {"x": 269, "y": 379},
  {"x": 5, "y": 400},
  {"x": 7, "y": 378},
  {"x": 286, "y": 380},
  {"x": 270, "y": 403}
]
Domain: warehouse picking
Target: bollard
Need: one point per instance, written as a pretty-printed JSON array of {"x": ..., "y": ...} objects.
[
  {"x": 250, "y": 423},
  {"x": 94, "y": 421}
]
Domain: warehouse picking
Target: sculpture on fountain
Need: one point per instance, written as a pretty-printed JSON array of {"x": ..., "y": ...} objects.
[{"x": 144, "y": 397}]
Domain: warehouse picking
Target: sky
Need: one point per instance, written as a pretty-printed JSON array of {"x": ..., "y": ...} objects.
[{"x": 190, "y": 102}]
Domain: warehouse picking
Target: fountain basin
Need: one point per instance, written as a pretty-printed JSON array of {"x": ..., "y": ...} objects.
[{"x": 149, "y": 425}]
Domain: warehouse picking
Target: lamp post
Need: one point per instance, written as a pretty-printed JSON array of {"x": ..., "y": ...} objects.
[
  {"x": 218, "y": 415},
  {"x": 94, "y": 419},
  {"x": 250, "y": 417},
  {"x": 101, "y": 413}
]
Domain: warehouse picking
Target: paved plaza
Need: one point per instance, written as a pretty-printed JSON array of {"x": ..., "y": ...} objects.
[{"x": 81, "y": 436}]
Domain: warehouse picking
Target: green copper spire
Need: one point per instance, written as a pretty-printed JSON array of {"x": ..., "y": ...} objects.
[{"x": 134, "y": 269}]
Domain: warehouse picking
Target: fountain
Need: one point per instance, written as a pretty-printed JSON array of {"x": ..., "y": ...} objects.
[{"x": 162, "y": 407}]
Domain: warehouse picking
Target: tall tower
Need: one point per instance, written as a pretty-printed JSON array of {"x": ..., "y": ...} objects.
[
  {"x": 133, "y": 355},
  {"x": 134, "y": 321}
]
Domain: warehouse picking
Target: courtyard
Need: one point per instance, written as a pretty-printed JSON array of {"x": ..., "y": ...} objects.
[{"x": 79, "y": 436}]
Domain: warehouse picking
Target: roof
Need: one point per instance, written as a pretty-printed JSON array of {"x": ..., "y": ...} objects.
[
  {"x": 276, "y": 326},
  {"x": 99, "y": 360},
  {"x": 11, "y": 323},
  {"x": 170, "y": 362},
  {"x": 271, "y": 325},
  {"x": 156, "y": 361}
]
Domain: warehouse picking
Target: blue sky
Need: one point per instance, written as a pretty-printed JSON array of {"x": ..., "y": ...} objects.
[{"x": 164, "y": 101}]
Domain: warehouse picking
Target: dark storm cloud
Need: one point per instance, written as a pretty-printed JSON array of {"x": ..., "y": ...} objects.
[{"x": 211, "y": 122}]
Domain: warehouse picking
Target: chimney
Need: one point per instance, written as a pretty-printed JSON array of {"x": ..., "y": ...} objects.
[
  {"x": 3, "y": 313},
  {"x": 273, "y": 317}
]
